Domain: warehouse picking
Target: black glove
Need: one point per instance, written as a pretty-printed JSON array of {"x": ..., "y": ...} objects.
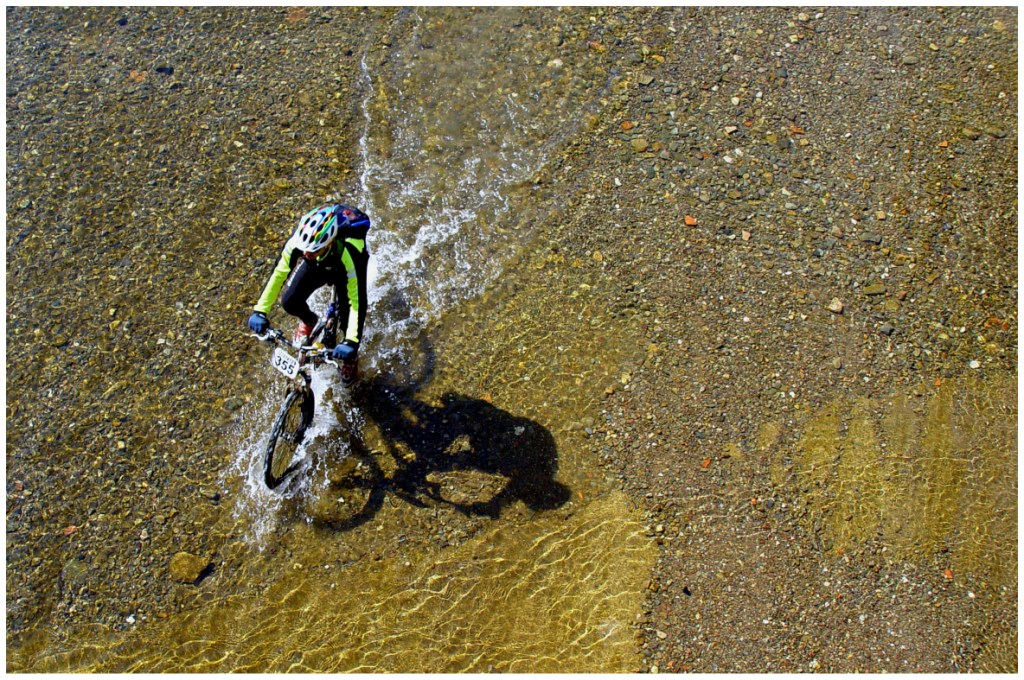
[{"x": 259, "y": 323}]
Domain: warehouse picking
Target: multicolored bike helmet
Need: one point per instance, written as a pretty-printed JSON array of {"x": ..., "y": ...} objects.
[{"x": 317, "y": 228}]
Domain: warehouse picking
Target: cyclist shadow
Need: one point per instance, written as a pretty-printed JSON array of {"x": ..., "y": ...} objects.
[
  {"x": 466, "y": 453},
  {"x": 462, "y": 452}
]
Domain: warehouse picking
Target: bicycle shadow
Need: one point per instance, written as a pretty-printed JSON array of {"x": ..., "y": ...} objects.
[
  {"x": 465, "y": 435},
  {"x": 463, "y": 452}
]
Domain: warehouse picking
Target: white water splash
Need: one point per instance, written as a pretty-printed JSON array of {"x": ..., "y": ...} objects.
[
  {"x": 439, "y": 163},
  {"x": 259, "y": 509}
]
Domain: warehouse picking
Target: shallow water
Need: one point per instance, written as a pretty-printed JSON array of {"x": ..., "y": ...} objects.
[
  {"x": 502, "y": 601},
  {"x": 927, "y": 469},
  {"x": 477, "y": 535},
  {"x": 457, "y": 123}
]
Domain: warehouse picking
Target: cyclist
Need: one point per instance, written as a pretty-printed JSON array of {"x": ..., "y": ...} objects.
[{"x": 327, "y": 248}]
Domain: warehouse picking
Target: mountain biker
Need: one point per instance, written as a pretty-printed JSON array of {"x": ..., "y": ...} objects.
[{"x": 327, "y": 248}]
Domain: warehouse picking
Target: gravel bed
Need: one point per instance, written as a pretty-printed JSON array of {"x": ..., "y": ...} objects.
[{"x": 789, "y": 213}]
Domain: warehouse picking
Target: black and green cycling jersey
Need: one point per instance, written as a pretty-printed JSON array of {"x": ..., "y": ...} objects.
[{"x": 343, "y": 265}]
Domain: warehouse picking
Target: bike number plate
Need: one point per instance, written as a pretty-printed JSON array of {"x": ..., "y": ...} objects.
[{"x": 285, "y": 362}]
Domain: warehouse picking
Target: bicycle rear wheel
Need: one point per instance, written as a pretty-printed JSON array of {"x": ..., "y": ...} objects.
[{"x": 287, "y": 433}]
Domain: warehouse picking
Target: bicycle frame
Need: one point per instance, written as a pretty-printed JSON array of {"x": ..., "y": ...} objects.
[{"x": 314, "y": 352}]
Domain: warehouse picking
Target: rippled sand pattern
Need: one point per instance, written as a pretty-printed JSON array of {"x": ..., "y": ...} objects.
[
  {"x": 930, "y": 470},
  {"x": 924, "y": 470},
  {"x": 498, "y": 602}
]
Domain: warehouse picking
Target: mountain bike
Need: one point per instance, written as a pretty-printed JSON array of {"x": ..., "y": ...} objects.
[{"x": 296, "y": 412}]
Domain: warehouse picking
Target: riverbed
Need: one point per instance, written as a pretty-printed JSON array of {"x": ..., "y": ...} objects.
[{"x": 692, "y": 341}]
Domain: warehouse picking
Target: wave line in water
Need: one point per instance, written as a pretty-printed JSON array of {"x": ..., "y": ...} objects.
[{"x": 444, "y": 158}]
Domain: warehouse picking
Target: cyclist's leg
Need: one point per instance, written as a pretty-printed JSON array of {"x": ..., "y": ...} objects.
[{"x": 294, "y": 298}]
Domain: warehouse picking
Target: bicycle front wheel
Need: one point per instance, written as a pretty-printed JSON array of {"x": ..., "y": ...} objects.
[{"x": 289, "y": 429}]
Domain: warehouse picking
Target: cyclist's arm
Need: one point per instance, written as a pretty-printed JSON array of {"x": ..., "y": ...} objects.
[
  {"x": 355, "y": 258},
  {"x": 277, "y": 279}
]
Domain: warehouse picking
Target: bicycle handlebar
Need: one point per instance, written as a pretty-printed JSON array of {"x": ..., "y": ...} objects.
[{"x": 311, "y": 351}]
